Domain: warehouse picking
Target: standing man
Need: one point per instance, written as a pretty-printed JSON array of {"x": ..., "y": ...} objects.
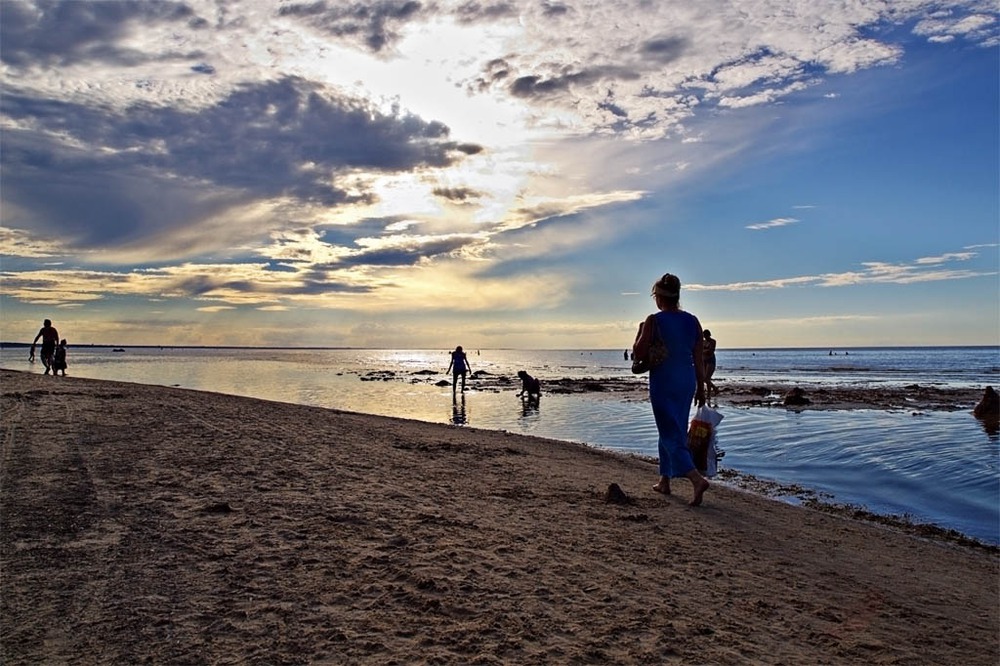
[
  {"x": 50, "y": 338},
  {"x": 708, "y": 355}
]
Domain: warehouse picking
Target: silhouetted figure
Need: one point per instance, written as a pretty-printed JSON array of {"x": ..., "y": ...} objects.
[
  {"x": 531, "y": 388},
  {"x": 59, "y": 359},
  {"x": 708, "y": 358},
  {"x": 459, "y": 365},
  {"x": 50, "y": 338}
]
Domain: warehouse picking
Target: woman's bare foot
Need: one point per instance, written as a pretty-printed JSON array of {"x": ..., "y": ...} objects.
[
  {"x": 662, "y": 487},
  {"x": 700, "y": 486}
]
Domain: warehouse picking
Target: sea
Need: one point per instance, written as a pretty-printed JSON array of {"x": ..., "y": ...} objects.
[{"x": 935, "y": 467}]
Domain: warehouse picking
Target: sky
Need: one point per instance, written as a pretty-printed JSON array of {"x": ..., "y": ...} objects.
[{"x": 499, "y": 173}]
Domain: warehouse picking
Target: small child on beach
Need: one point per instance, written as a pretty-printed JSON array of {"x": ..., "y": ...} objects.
[{"x": 59, "y": 359}]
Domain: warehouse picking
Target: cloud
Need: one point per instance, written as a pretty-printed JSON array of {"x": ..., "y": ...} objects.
[
  {"x": 372, "y": 25},
  {"x": 771, "y": 224},
  {"x": 51, "y": 33},
  {"x": 457, "y": 194},
  {"x": 923, "y": 269},
  {"x": 945, "y": 258},
  {"x": 634, "y": 78},
  {"x": 99, "y": 179},
  {"x": 402, "y": 250},
  {"x": 947, "y": 25},
  {"x": 242, "y": 154}
]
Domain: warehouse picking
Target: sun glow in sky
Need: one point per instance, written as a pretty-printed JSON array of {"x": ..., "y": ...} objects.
[{"x": 508, "y": 173}]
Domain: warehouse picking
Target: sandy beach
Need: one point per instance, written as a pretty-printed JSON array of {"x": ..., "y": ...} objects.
[{"x": 152, "y": 525}]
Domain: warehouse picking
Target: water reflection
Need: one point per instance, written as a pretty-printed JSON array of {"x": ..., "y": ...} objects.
[
  {"x": 991, "y": 425},
  {"x": 458, "y": 409},
  {"x": 529, "y": 406}
]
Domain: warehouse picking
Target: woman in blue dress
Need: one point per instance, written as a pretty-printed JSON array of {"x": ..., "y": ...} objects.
[{"x": 675, "y": 383}]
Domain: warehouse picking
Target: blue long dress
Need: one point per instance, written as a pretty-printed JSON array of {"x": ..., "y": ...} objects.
[{"x": 672, "y": 386}]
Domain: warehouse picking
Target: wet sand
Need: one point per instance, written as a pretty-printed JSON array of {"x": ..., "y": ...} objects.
[{"x": 144, "y": 524}]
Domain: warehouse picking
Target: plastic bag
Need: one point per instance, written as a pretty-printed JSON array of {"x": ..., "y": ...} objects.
[{"x": 703, "y": 441}]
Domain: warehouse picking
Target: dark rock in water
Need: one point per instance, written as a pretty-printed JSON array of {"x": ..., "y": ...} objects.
[
  {"x": 593, "y": 386},
  {"x": 615, "y": 495},
  {"x": 796, "y": 397},
  {"x": 378, "y": 375},
  {"x": 443, "y": 382},
  {"x": 989, "y": 405}
]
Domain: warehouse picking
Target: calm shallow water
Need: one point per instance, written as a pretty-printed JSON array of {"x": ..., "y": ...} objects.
[{"x": 938, "y": 467}]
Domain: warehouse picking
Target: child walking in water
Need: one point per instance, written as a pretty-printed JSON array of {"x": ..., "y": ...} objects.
[{"x": 59, "y": 359}]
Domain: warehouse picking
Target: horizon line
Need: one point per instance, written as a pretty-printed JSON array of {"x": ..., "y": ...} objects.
[{"x": 101, "y": 345}]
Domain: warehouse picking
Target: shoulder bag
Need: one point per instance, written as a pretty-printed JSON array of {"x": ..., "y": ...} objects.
[{"x": 655, "y": 355}]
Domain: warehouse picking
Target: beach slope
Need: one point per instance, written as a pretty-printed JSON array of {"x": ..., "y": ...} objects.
[{"x": 144, "y": 524}]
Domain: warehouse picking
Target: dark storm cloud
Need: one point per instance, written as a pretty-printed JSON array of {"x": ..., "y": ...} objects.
[
  {"x": 373, "y": 24},
  {"x": 63, "y": 32},
  {"x": 281, "y": 139}
]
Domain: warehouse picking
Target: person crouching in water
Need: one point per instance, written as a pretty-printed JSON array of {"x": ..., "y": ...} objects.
[{"x": 531, "y": 388}]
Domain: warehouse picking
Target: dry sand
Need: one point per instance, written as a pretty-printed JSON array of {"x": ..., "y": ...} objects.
[{"x": 150, "y": 525}]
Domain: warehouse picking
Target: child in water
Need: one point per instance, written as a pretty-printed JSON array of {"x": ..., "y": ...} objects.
[{"x": 59, "y": 359}]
